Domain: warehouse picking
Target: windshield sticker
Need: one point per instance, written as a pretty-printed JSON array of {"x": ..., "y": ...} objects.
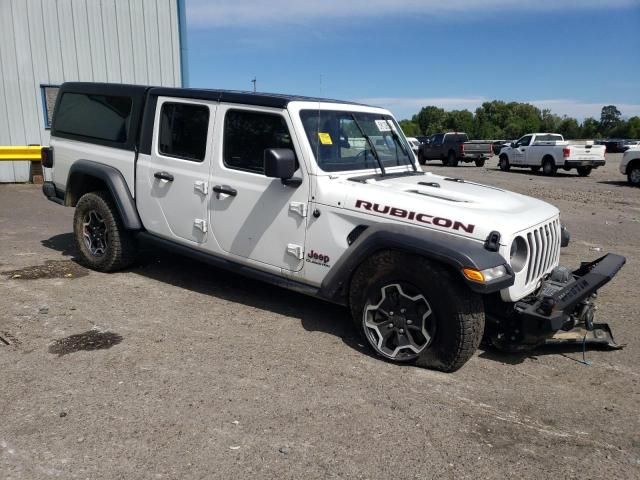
[
  {"x": 384, "y": 126},
  {"x": 325, "y": 138}
]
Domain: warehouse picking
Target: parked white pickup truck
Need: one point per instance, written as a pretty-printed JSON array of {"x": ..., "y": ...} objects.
[
  {"x": 550, "y": 151},
  {"x": 630, "y": 165}
]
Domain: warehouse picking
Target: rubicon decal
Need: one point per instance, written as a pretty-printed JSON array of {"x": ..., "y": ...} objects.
[
  {"x": 318, "y": 258},
  {"x": 415, "y": 216}
]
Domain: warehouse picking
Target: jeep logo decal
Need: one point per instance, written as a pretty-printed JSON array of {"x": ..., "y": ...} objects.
[
  {"x": 318, "y": 258},
  {"x": 415, "y": 216}
]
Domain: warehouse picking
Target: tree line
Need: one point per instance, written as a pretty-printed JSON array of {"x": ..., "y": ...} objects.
[{"x": 509, "y": 121}]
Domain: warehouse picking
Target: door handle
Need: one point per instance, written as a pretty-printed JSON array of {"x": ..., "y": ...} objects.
[
  {"x": 227, "y": 190},
  {"x": 164, "y": 176}
]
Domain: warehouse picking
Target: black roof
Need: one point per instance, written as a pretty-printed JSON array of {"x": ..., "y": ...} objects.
[{"x": 275, "y": 100}]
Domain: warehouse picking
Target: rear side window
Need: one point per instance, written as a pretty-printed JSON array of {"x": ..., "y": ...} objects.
[
  {"x": 438, "y": 138},
  {"x": 248, "y": 134},
  {"x": 100, "y": 117},
  {"x": 183, "y": 131}
]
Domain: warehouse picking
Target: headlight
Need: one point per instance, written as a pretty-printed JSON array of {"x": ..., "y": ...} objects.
[
  {"x": 518, "y": 254},
  {"x": 487, "y": 275}
]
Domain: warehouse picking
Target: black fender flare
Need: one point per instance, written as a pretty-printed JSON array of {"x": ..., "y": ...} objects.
[
  {"x": 453, "y": 251},
  {"x": 114, "y": 181}
]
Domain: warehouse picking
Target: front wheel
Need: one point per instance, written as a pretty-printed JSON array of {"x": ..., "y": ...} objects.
[
  {"x": 633, "y": 176},
  {"x": 480, "y": 162},
  {"x": 412, "y": 310},
  {"x": 503, "y": 163},
  {"x": 103, "y": 242},
  {"x": 584, "y": 171}
]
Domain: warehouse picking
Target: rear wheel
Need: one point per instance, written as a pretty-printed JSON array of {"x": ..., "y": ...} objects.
[
  {"x": 549, "y": 167},
  {"x": 480, "y": 162},
  {"x": 633, "y": 175},
  {"x": 103, "y": 242},
  {"x": 584, "y": 171},
  {"x": 503, "y": 163},
  {"x": 452, "y": 160},
  {"x": 412, "y": 310}
]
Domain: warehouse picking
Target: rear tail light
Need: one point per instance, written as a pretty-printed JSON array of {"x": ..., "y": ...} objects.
[
  {"x": 566, "y": 152},
  {"x": 462, "y": 148},
  {"x": 47, "y": 157}
]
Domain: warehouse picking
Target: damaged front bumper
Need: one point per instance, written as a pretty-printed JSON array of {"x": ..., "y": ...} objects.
[{"x": 561, "y": 311}]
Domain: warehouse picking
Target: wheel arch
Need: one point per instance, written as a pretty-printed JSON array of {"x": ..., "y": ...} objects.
[
  {"x": 448, "y": 250},
  {"x": 87, "y": 176},
  {"x": 632, "y": 163},
  {"x": 548, "y": 156}
]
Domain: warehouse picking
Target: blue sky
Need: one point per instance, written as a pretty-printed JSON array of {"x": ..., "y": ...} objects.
[{"x": 572, "y": 56}]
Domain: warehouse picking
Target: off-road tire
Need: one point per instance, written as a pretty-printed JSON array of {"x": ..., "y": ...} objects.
[
  {"x": 584, "y": 171},
  {"x": 458, "y": 313},
  {"x": 549, "y": 167},
  {"x": 480, "y": 162},
  {"x": 120, "y": 248},
  {"x": 504, "y": 164},
  {"x": 452, "y": 160},
  {"x": 633, "y": 175}
]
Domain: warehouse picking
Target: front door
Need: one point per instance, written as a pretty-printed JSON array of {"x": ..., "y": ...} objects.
[
  {"x": 172, "y": 182},
  {"x": 254, "y": 217},
  {"x": 520, "y": 150}
]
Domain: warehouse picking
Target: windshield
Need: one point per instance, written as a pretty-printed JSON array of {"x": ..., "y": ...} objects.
[{"x": 339, "y": 140}]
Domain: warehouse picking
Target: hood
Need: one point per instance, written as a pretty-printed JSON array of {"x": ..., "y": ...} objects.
[{"x": 450, "y": 204}]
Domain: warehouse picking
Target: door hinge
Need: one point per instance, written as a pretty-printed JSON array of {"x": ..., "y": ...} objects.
[
  {"x": 298, "y": 207},
  {"x": 202, "y": 187},
  {"x": 200, "y": 225},
  {"x": 295, "y": 250}
]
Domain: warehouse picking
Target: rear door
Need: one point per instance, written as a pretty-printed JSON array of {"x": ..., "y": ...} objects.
[
  {"x": 256, "y": 218},
  {"x": 172, "y": 182}
]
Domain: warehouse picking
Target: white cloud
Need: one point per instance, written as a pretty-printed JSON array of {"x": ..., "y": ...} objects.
[
  {"x": 406, "y": 107},
  {"x": 206, "y": 13}
]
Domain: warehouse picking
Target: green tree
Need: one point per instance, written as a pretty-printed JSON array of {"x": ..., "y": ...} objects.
[
  {"x": 633, "y": 128},
  {"x": 590, "y": 128},
  {"x": 569, "y": 128},
  {"x": 430, "y": 119},
  {"x": 459, "y": 121},
  {"x": 410, "y": 128},
  {"x": 609, "y": 118}
]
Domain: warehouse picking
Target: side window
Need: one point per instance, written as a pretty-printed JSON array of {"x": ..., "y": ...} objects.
[
  {"x": 100, "y": 117},
  {"x": 525, "y": 141},
  {"x": 183, "y": 131},
  {"x": 438, "y": 139},
  {"x": 248, "y": 134}
]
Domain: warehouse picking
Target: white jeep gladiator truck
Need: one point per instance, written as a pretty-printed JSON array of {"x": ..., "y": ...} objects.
[
  {"x": 322, "y": 197},
  {"x": 550, "y": 151}
]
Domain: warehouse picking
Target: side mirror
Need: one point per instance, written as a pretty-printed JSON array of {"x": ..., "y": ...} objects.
[{"x": 281, "y": 163}]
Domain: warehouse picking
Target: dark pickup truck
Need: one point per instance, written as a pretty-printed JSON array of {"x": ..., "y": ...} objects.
[{"x": 454, "y": 147}]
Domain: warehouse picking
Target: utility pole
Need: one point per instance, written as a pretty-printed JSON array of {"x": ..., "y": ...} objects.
[{"x": 254, "y": 84}]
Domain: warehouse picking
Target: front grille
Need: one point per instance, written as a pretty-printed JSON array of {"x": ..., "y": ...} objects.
[{"x": 544, "y": 250}]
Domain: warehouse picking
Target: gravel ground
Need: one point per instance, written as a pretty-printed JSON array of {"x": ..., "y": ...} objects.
[{"x": 173, "y": 369}]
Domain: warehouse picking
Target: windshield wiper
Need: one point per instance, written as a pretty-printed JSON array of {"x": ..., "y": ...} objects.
[
  {"x": 371, "y": 147},
  {"x": 396, "y": 138}
]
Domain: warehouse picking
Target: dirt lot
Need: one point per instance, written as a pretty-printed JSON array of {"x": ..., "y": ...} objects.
[{"x": 173, "y": 369}]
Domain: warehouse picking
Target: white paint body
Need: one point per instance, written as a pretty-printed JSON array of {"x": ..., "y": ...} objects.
[
  {"x": 272, "y": 227},
  {"x": 533, "y": 154},
  {"x": 632, "y": 154}
]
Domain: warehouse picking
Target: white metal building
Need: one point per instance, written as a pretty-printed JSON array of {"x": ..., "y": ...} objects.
[{"x": 44, "y": 43}]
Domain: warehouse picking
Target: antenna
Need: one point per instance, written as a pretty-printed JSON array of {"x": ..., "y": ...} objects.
[{"x": 254, "y": 84}]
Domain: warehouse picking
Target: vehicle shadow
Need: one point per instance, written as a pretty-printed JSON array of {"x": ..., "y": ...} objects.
[
  {"x": 183, "y": 272},
  {"x": 314, "y": 315},
  {"x": 616, "y": 183},
  {"x": 572, "y": 351}
]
